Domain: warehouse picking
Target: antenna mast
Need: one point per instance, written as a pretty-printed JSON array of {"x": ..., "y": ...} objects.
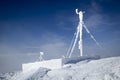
[
  {"x": 79, "y": 35},
  {"x": 40, "y": 57},
  {"x": 80, "y": 27}
]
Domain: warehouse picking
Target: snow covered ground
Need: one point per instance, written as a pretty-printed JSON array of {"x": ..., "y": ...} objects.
[
  {"x": 102, "y": 69},
  {"x": 50, "y": 64},
  {"x": 7, "y": 76}
]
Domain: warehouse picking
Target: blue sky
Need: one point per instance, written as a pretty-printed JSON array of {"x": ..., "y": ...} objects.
[
  {"x": 31, "y": 26},
  {"x": 26, "y": 26}
]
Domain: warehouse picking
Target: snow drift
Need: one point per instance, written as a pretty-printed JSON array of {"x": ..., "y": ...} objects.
[
  {"x": 50, "y": 64},
  {"x": 102, "y": 69}
]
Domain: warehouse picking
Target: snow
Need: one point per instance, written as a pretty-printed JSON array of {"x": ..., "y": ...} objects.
[
  {"x": 54, "y": 63},
  {"x": 50, "y": 64},
  {"x": 102, "y": 69},
  {"x": 77, "y": 59},
  {"x": 7, "y": 76}
]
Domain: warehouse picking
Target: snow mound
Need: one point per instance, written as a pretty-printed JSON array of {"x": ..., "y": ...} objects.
[
  {"x": 7, "y": 76},
  {"x": 39, "y": 74},
  {"x": 50, "y": 64},
  {"x": 102, "y": 69}
]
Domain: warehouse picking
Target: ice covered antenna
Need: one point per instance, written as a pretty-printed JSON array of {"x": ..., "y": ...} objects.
[
  {"x": 78, "y": 34},
  {"x": 80, "y": 27},
  {"x": 40, "y": 57},
  {"x": 77, "y": 11}
]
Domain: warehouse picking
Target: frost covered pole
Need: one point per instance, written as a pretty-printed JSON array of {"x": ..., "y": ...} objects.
[
  {"x": 80, "y": 13},
  {"x": 40, "y": 57}
]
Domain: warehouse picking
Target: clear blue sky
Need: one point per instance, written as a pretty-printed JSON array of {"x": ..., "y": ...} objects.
[{"x": 31, "y": 26}]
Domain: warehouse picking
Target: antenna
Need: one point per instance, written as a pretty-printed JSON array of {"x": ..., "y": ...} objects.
[
  {"x": 80, "y": 27},
  {"x": 40, "y": 57},
  {"x": 79, "y": 35}
]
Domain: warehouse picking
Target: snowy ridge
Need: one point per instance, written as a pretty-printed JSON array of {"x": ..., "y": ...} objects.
[{"x": 102, "y": 69}]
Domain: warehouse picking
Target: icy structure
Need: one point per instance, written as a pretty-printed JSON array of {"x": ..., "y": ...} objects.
[
  {"x": 78, "y": 36},
  {"x": 58, "y": 63},
  {"x": 34, "y": 68}
]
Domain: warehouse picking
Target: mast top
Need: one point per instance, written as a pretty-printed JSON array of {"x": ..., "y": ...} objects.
[{"x": 80, "y": 13}]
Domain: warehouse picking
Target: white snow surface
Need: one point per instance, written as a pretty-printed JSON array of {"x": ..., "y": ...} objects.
[
  {"x": 102, "y": 69},
  {"x": 50, "y": 64}
]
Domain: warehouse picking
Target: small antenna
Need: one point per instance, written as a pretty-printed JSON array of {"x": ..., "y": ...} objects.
[{"x": 41, "y": 56}]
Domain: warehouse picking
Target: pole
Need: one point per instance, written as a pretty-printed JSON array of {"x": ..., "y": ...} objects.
[{"x": 80, "y": 30}]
